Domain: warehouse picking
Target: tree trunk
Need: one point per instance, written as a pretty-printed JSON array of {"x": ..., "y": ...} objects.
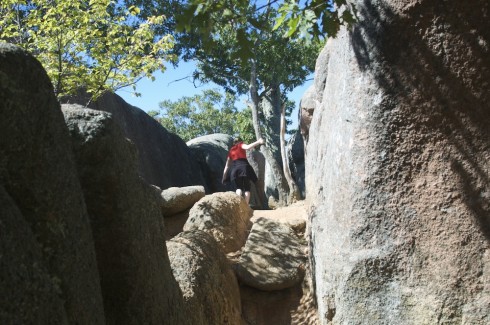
[
  {"x": 271, "y": 130},
  {"x": 294, "y": 194}
]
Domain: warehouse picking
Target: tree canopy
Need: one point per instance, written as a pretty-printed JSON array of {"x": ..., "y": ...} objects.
[
  {"x": 91, "y": 44},
  {"x": 260, "y": 48},
  {"x": 107, "y": 45},
  {"x": 308, "y": 20},
  {"x": 240, "y": 48},
  {"x": 207, "y": 113}
]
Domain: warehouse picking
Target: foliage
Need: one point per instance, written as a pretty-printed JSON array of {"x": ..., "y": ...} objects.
[
  {"x": 309, "y": 20},
  {"x": 238, "y": 47},
  {"x": 314, "y": 18},
  {"x": 91, "y": 44},
  {"x": 280, "y": 63},
  {"x": 207, "y": 113}
]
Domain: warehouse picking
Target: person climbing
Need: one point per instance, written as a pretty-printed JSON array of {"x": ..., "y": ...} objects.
[{"x": 241, "y": 172}]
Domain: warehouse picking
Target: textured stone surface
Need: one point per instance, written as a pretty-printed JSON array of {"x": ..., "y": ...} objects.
[
  {"x": 209, "y": 286},
  {"x": 210, "y": 152},
  {"x": 39, "y": 175},
  {"x": 292, "y": 306},
  {"x": 225, "y": 216},
  {"x": 29, "y": 294},
  {"x": 306, "y": 109},
  {"x": 174, "y": 225},
  {"x": 137, "y": 284},
  {"x": 163, "y": 159},
  {"x": 296, "y": 161},
  {"x": 398, "y": 167},
  {"x": 273, "y": 257},
  {"x": 257, "y": 193},
  {"x": 294, "y": 215},
  {"x": 179, "y": 199}
]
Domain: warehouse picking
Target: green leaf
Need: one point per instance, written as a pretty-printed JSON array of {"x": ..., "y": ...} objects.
[
  {"x": 293, "y": 26},
  {"x": 93, "y": 48},
  {"x": 279, "y": 21}
]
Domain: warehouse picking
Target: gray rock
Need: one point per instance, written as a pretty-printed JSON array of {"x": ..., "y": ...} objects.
[
  {"x": 296, "y": 157},
  {"x": 163, "y": 159},
  {"x": 306, "y": 109},
  {"x": 29, "y": 294},
  {"x": 179, "y": 199},
  {"x": 136, "y": 279},
  {"x": 211, "y": 151},
  {"x": 270, "y": 187},
  {"x": 174, "y": 224},
  {"x": 39, "y": 175},
  {"x": 312, "y": 96},
  {"x": 258, "y": 199},
  {"x": 292, "y": 306},
  {"x": 398, "y": 170},
  {"x": 175, "y": 204},
  {"x": 273, "y": 257},
  {"x": 225, "y": 216},
  {"x": 207, "y": 281}
]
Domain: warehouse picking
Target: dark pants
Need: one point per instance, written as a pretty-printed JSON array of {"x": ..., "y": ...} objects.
[{"x": 243, "y": 183}]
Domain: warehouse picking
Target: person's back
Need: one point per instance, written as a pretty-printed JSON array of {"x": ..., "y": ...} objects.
[
  {"x": 240, "y": 172},
  {"x": 237, "y": 152}
]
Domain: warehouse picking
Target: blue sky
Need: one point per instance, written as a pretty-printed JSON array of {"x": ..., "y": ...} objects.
[{"x": 172, "y": 85}]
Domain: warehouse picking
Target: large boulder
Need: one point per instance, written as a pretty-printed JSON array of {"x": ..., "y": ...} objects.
[
  {"x": 53, "y": 259},
  {"x": 208, "y": 284},
  {"x": 225, "y": 216},
  {"x": 29, "y": 294},
  {"x": 179, "y": 199},
  {"x": 163, "y": 159},
  {"x": 211, "y": 151},
  {"x": 176, "y": 203},
  {"x": 137, "y": 283},
  {"x": 273, "y": 257},
  {"x": 398, "y": 167},
  {"x": 294, "y": 305}
]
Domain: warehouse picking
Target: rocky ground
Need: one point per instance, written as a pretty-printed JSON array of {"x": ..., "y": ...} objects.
[
  {"x": 294, "y": 215},
  {"x": 299, "y": 300}
]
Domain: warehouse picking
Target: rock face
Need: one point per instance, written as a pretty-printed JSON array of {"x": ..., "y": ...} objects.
[
  {"x": 258, "y": 199},
  {"x": 307, "y": 107},
  {"x": 296, "y": 158},
  {"x": 225, "y": 216},
  {"x": 398, "y": 167},
  {"x": 210, "y": 152},
  {"x": 137, "y": 283},
  {"x": 48, "y": 271},
  {"x": 273, "y": 257},
  {"x": 29, "y": 295},
  {"x": 163, "y": 158},
  {"x": 206, "y": 279}
]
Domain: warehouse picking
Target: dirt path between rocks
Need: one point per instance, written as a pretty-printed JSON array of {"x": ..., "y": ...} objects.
[
  {"x": 299, "y": 300},
  {"x": 295, "y": 215},
  {"x": 290, "y": 213}
]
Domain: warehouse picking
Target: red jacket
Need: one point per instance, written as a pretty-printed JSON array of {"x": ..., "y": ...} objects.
[{"x": 237, "y": 152}]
